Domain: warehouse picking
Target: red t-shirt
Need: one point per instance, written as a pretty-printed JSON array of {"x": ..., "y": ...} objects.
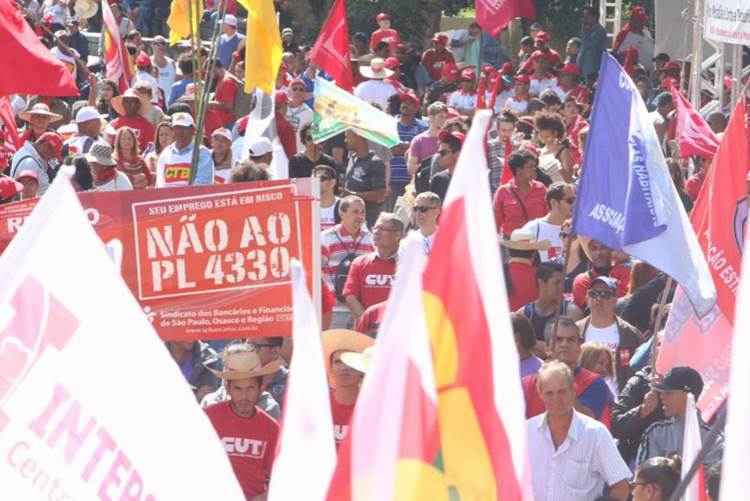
[
  {"x": 528, "y": 65},
  {"x": 226, "y": 92},
  {"x": 433, "y": 62},
  {"x": 523, "y": 282},
  {"x": 369, "y": 322},
  {"x": 582, "y": 283},
  {"x": 342, "y": 416},
  {"x": 390, "y": 35},
  {"x": 509, "y": 204},
  {"x": 370, "y": 278},
  {"x": 250, "y": 444},
  {"x": 327, "y": 296},
  {"x": 143, "y": 129}
]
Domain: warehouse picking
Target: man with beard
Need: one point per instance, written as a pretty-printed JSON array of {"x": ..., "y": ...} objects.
[{"x": 601, "y": 265}]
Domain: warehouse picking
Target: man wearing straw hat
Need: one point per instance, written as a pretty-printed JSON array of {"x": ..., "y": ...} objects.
[
  {"x": 130, "y": 108},
  {"x": 248, "y": 434},
  {"x": 38, "y": 119},
  {"x": 375, "y": 90}
]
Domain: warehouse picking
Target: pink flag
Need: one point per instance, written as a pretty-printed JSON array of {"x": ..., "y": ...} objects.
[
  {"x": 693, "y": 133},
  {"x": 495, "y": 15}
]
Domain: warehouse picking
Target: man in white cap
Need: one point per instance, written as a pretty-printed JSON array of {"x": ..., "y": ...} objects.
[
  {"x": 260, "y": 150},
  {"x": 174, "y": 167},
  {"x": 165, "y": 65},
  {"x": 248, "y": 434},
  {"x": 229, "y": 40},
  {"x": 89, "y": 124},
  {"x": 375, "y": 90},
  {"x": 103, "y": 169}
]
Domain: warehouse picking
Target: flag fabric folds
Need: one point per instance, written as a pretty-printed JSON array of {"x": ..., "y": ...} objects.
[
  {"x": 626, "y": 197},
  {"x": 331, "y": 51},
  {"x": 64, "y": 403},
  {"x": 116, "y": 57},
  {"x": 480, "y": 402},
  {"x": 262, "y": 46},
  {"x": 694, "y": 135},
  {"x": 691, "y": 445},
  {"x": 181, "y": 24},
  {"x": 28, "y": 66},
  {"x": 718, "y": 219},
  {"x": 495, "y": 15},
  {"x": 307, "y": 454}
]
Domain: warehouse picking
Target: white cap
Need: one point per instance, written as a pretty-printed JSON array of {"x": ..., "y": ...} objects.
[
  {"x": 259, "y": 146},
  {"x": 87, "y": 113},
  {"x": 18, "y": 104},
  {"x": 230, "y": 20},
  {"x": 223, "y": 132},
  {"x": 182, "y": 120}
]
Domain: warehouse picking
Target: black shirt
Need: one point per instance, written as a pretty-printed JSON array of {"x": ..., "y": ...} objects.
[
  {"x": 301, "y": 166},
  {"x": 440, "y": 182},
  {"x": 365, "y": 174}
]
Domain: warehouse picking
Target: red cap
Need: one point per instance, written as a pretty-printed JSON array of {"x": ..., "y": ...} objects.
[
  {"x": 571, "y": 69},
  {"x": 524, "y": 79},
  {"x": 440, "y": 39},
  {"x": 280, "y": 97},
  {"x": 445, "y": 135},
  {"x": 9, "y": 187},
  {"x": 382, "y": 17},
  {"x": 409, "y": 97},
  {"x": 507, "y": 69},
  {"x": 142, "y": 61},
  {"x": 469, "y": 75},
  {"x": 54, "y": 140},
  {"x": 542, "y": 36},
  {"x": 392, "y": 63}
]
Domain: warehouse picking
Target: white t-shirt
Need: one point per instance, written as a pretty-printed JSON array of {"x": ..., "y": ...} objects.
[
  {"x": 222, "y": 176},
  {"x": 540, "y": 85},
  {"x": 167, "y": 76},
  {"x": 606, "y": 335},
  {"x": 515, "y": 106},
  {"x": 425, "y": 241},
  {"x": 537, "y": 230},
  {"x": 375, "y": 92},
  {"x": 462, "y": 101},
  {"x": 500, "y": 100},
  {"x": 299, "y": 117},
  {"x": 118, "y": 183},
  {"x": 327, "y": 217}
]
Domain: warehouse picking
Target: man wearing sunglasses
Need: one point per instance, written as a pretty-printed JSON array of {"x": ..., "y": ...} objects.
[
  {"x": 604, "y": 326},
  {"x": 301, "y": 164},
  {"x": 298, "y": 114},
  {"x": 426, "y": 211},
  {"x": 543, "y": 234},
  {"x": 448, "y": 150}
]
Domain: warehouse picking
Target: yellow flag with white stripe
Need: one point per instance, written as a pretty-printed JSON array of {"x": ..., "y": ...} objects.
[{"x": 262, "y": 46}]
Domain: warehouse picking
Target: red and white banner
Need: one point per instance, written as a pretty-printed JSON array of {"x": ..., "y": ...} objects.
[
  {"x": 207, "y": 262},
  {"x": 92, "y": 406},
  {"x": 727, "y": 21}
]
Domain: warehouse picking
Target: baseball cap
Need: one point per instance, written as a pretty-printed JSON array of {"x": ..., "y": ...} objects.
[
  {"x": 230, "y": 20},
  {"x": 87, "y": 113},
  {"x": 681, "y": 378},
  {"x": 142, "y": 61},
  {"x": 160, "y": 40},
  {"x": 383, "y": 17},
  {"x": 260, "y": 146},
  {"x": 28, "y": 173},
  {"x": 446, "y": 136},
  {"x": 223, "y": 132},
  {"x": 409, "y": 97},
  {"x": 280, "y": 97},
  {"x": 182, "y": 119},
  {"x": 610, "y": 282},
  {"x": 524, "y": 79},
  {"x": 54, "y": 140},
  {"x": 9, "y": 187}
]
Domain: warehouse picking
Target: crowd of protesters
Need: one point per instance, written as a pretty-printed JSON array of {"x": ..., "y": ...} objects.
[{"x": 602, "y": 424}]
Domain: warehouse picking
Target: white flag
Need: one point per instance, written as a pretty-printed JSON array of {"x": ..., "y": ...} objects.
[
  {"x": 92, "y": 406},
  {"x": 691, "y": 445},
  {"x": 307, "y": 453}
]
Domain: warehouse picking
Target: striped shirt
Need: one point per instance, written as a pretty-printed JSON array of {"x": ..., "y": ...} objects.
[
  {"x": 336, "y": 243},
  {"x": 580, "y": 467},
  {"x": 399, "y": 174}
]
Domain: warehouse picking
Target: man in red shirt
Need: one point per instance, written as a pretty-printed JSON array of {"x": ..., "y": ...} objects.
[
  {"x": 370, "y": 275},
  {"x": 220, "y": 112},
  {"x": 521, "y": 199},
  {"x": 385, "y": 34},
  {"x": 128, "y": 106},
  {"x": 248, "y": 434},
  {"x": 601, "y": 265},
  {"x": 541, "y": 44},
  {"x": 343, "y": 380},
  {"x": 435, "y": 58}
]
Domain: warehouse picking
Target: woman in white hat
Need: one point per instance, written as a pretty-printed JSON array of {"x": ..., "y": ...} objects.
[
  {"x": 38, "y": 119},
  {"x": 342, "y": 378},
  {"x": 103, "y": 169}
]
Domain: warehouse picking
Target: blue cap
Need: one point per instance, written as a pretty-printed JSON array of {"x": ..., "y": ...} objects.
[{"x": 610, "y": 282}]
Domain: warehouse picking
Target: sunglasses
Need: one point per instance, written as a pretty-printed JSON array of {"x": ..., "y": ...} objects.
[
  {"x": 598, "y": 294},
  {"x": 423, "y": 208},
  {"x": 298, "y": 89},
  {"x": 325, "y": 178}
]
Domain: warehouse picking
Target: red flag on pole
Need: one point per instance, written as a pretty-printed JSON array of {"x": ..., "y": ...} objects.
[
  {"x": 34, "y": 69},
  {"x": 115, "y": 54},
  {"x": 331, "y": 50},
  {"x": 9, "y": 122},
  {"x": 494, "y": 15},
  {"x": 693, "y": 133}
]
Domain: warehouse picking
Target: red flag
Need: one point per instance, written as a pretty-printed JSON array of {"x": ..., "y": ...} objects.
[
  {"x": 9, "y": 122},
  {"x": 34, "y": 69},
  {"x": 693, "y": 133},
  {"x": 115, "y": 54},
  {"x": 494, "y": 15},
  {"x": 331, "y": 50}
]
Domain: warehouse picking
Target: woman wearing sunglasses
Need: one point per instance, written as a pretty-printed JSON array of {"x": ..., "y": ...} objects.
[{"x": 656, "y": 479}]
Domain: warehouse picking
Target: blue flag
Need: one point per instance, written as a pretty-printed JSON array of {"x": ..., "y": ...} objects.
[{"x": 626, "y": 198}]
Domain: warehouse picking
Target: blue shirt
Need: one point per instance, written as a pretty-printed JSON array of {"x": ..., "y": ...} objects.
[
  {"x": 399, "y": 174},
  {"x": 226, "y": 47},
  {"x": 178, "y": 90}
]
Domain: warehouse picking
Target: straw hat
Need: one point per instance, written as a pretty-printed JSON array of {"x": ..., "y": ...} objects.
[
  {"x": 129, "y": 94},
  {"x": 39, "y": 109},
  {"x": 376, "y": 70},
  {"x": 343, "y": 340},
  {"x": 85, "y": 9},
  {"x": 359, "y": 361},
  {"x": 242, "y": 362}
]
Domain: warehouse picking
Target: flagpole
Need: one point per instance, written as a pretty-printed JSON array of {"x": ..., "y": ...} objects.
[
  {"x": 708, "y": 443},
  {"x": 657, "y": 322},
  {"x": 202, "y": 98}
]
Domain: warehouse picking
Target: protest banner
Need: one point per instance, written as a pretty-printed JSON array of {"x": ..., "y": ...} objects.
[
  {"x": 727, "y": 21},
  {"x": 207, "y": 262},
  {"x": 91, "y": 404}
]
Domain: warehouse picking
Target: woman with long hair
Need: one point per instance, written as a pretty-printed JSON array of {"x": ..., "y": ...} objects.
[
  {"x": 555, "y": 158},
  {"x": 103, "y": 101},
  {"x": 129, "y": 160},
  {"x": 163, "y": 137}
]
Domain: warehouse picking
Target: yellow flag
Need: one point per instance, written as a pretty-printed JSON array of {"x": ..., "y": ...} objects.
[
  {"x": 179, "y": 19},
  {"x": 262, "y": 46}
]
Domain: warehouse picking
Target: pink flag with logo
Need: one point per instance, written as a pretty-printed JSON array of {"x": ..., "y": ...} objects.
[
  {"x": 693, "y": 133},
  {"x": 495, "y": 15}
]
